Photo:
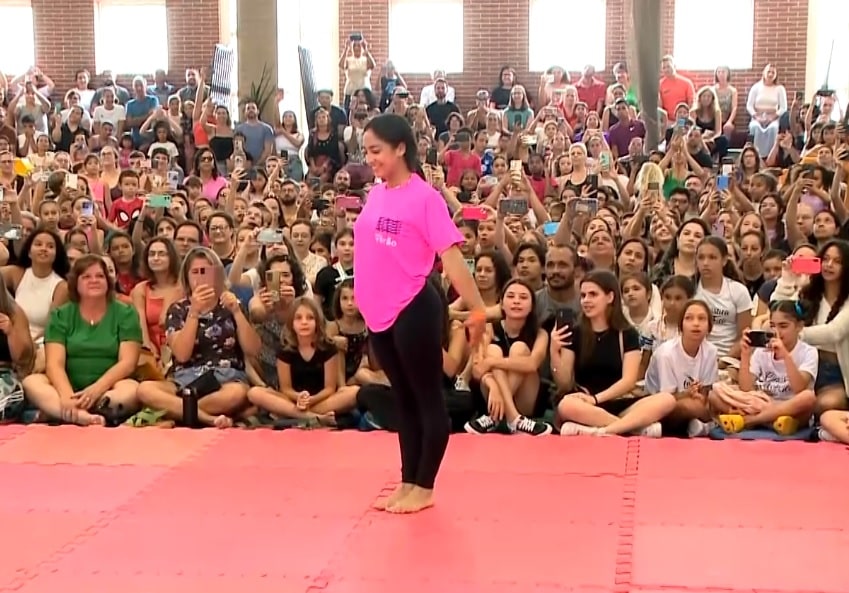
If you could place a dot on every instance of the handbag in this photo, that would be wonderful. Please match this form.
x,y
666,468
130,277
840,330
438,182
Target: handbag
x,y
11,396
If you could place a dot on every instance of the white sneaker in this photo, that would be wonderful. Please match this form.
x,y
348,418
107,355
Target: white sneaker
x,y
571,429
696,428
461,385
826,436
652,431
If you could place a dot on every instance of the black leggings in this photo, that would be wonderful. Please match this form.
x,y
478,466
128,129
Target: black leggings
x,y
410,353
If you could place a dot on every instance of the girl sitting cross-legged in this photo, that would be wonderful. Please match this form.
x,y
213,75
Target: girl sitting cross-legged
x,y
597,365
308,371
776,381
686,366
508,367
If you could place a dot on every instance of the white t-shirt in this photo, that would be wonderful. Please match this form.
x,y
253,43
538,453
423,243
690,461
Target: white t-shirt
x,y
672,370
118,113
770,375
731,300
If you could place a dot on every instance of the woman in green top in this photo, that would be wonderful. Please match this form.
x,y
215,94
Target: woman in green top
x,y
92,346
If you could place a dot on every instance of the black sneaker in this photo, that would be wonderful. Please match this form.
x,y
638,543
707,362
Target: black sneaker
x,y
532,427
481,425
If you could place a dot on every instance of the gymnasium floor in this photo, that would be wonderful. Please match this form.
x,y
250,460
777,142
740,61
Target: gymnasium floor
x,y
144,510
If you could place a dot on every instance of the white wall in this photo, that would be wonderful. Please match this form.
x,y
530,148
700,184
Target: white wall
x,y
828,20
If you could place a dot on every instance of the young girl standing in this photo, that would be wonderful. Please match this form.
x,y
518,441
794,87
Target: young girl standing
x,y
776,382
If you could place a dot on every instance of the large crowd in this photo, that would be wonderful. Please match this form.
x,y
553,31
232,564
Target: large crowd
x,y
154,250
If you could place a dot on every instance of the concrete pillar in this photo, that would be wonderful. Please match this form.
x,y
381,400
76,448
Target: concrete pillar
x,y
256,42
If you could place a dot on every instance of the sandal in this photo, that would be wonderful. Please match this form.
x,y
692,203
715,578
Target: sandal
x,y
149,417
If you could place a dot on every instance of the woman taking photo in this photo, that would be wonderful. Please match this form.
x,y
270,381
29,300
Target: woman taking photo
x,y
597,365
92,347
406,226
208,334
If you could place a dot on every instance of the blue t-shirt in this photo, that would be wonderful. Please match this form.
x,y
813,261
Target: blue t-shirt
x,y
139,108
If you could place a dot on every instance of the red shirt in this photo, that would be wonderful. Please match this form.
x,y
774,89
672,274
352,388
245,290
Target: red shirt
x,y
674,91
456,162
125,211
538,186
592,94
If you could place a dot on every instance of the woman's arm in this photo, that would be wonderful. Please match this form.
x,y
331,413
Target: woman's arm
x,y
563,368
331,380
833,332
630,375
454,357
20,342
249,340
525,364
137,295
54,361
284,378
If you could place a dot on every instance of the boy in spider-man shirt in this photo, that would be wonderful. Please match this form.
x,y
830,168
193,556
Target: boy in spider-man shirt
x,y
128,207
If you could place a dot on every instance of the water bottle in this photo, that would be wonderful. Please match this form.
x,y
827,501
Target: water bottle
x,y
190,408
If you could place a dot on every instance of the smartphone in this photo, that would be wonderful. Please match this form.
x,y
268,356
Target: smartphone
x,y
723,182
806,265
11,232
320,204
348,203
314,183
681,124
654,186
174,179
473,213
87,208
432,157
604,161
727,167
718,230
529,140
564,317
593,181
549,229
159,201
588,206
355,36
513,206
759,338
270,236
71,181
2,193
272,282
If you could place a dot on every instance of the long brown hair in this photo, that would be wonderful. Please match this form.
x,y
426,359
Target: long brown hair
x,y
609,284
290,340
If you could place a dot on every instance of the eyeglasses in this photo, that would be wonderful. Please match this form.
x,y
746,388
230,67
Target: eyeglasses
x,y
218,229
206,159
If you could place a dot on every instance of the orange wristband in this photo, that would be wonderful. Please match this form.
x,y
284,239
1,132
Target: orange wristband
x,y
477,315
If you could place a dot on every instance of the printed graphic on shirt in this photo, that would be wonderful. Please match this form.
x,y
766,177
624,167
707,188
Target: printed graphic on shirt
x,y
387,228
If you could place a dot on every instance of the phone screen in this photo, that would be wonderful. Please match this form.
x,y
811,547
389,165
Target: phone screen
x,y
431,158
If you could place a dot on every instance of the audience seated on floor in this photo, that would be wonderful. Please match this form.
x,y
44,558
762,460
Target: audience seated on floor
x,y
153,248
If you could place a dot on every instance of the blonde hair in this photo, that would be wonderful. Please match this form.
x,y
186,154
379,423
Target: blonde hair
x,y
649,173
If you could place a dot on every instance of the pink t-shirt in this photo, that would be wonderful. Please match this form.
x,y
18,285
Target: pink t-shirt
x,y
456,162
397,237
212,187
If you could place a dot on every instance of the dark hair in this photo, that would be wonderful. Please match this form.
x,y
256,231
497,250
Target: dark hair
x,y
538,249
173,260
499,264
299,280
608,283
337,297
812,294
80,267
196,163
696,303
646,253
678,281
729,270
60,263
395,131
531,328
793,309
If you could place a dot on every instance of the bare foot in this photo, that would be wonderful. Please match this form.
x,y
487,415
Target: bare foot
x,y
401,491
223,422
81,417
418,499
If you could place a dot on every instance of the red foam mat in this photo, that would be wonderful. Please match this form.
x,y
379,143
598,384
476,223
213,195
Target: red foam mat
x,y
140,510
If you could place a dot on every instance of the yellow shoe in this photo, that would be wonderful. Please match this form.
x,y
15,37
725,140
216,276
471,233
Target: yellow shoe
x,y
786,425
732,423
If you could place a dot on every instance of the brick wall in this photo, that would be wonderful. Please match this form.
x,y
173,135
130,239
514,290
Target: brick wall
x,y
780,38
64,37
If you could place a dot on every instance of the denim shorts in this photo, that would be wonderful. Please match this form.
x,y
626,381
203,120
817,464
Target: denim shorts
x,y
828,375
224,375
